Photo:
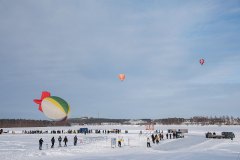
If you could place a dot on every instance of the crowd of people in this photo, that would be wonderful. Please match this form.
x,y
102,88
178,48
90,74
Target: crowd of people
x,y
60,140
52,132
159,136
156,138
97,131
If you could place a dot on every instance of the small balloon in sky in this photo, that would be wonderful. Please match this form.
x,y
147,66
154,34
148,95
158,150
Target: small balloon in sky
x,y
121,77
53,107
202,61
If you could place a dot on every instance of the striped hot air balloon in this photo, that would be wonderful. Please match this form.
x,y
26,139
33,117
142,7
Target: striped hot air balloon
x,y
53,107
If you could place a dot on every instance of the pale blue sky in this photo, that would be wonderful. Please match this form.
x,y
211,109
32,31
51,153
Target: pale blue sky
x,y
76,48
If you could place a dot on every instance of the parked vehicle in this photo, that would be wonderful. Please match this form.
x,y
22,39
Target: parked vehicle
x,y
224,135
183,130
179,135
228,135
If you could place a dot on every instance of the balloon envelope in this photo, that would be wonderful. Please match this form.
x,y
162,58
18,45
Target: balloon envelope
x,y
53,107
201,61
121,77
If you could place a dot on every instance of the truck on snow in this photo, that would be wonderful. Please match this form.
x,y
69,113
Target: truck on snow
x,y
224,135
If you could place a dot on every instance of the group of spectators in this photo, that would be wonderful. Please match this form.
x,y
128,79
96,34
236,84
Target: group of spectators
x,y
34,132
65,140
171,135
159,136
97,131
116,131
156,138
88,131
51,132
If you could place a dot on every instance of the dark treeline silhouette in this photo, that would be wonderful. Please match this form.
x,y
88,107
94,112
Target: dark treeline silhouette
x,y
170,121
99,121
197,120
222,120
201,120
10,123
82,121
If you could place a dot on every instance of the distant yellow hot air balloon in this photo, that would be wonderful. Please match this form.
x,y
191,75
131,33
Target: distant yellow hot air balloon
x,y
121,77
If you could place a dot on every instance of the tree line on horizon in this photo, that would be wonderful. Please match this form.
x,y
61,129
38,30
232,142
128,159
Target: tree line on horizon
x,y
196,120
200,120
11,123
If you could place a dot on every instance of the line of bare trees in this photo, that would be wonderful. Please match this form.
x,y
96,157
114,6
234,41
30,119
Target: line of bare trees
x,y
196,120
222,120
201,120
10,123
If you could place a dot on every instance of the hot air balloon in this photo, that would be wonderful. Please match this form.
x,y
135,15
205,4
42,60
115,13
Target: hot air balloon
x,y
121,77
53,107
201,61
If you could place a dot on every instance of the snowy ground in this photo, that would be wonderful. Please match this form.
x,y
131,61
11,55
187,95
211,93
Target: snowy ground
x,y
98,146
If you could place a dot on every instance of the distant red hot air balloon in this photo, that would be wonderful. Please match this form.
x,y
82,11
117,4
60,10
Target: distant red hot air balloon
x,y
201,61
121,77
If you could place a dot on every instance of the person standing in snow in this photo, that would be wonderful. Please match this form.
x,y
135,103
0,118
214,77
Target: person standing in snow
x,y
75,140
174,135
119,142
53,141
153,138
60,140
40,143
148,143
65,140
157,138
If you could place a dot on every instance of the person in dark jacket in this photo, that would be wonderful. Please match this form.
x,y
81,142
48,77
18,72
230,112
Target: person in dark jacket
x,y
53,141
65,140
174,135
148,143
40,143
75,140
60,140
153,138
120,142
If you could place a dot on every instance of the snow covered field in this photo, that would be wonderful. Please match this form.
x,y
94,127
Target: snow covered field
x,y
98,146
